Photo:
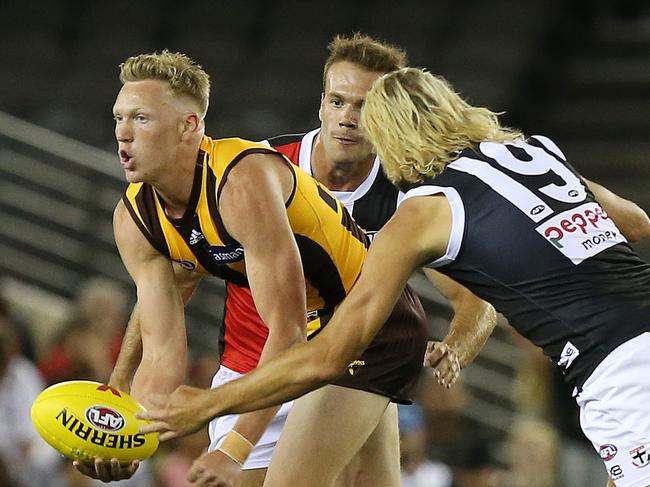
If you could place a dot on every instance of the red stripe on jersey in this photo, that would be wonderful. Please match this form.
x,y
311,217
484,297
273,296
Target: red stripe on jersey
x,y
290,150
245,332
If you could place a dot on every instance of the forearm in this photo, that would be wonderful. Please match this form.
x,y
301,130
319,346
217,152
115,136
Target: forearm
x,y
470,328
129,356
293,374
156,376
164,342
473,321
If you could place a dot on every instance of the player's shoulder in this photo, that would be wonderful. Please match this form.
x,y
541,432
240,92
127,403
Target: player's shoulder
x,y
235,144
284,140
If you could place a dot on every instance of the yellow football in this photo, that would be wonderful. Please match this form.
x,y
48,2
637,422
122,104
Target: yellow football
x,y
85,420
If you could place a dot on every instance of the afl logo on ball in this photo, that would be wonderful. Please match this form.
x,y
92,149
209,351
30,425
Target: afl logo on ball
x,y
105,419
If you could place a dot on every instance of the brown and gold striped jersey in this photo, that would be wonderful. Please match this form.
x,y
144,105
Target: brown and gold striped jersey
x,y
332,247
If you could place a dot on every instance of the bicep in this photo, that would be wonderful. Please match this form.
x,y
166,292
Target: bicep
x,y
631,219
258,220
158,295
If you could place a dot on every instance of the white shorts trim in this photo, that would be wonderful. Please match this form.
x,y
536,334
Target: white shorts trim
x,y
218,428
615,412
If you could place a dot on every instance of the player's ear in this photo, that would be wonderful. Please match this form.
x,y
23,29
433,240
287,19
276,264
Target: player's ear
x,y
192,123
320,108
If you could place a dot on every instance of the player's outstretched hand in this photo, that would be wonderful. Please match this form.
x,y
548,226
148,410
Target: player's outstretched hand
x,y
444,362
178,414
107,471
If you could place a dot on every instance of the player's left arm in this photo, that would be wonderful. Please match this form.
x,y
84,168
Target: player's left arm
x,y
406,242
630,219
252,206
472,324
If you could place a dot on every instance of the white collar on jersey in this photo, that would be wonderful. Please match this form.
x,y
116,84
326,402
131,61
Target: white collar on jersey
x,y
345,197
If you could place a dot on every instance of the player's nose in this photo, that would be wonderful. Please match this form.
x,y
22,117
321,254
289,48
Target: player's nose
x,y
349,118
123,132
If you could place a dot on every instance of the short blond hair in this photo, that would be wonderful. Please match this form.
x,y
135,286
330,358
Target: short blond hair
x,y
367,52
185,77
418,123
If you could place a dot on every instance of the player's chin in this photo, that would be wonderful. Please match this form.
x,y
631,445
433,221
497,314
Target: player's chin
x,y
133,176
349,154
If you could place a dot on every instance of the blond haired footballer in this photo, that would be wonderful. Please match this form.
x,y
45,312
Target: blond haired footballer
x,y
338,155
508,217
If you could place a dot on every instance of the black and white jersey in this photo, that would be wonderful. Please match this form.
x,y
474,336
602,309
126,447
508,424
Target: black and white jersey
x,y
529,237
371,204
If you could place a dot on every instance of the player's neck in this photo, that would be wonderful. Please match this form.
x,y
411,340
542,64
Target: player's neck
x,y
344,176
175,185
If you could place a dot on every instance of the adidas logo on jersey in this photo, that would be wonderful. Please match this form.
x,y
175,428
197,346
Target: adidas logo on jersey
x,y
196,237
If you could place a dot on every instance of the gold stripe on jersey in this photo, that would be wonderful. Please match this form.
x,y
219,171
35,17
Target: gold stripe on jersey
x,y
331,245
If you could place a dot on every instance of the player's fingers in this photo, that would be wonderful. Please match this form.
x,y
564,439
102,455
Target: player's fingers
x,y
449,371
152,414
436,356
101,469
154,427
87,470
194,472
133,468
118,472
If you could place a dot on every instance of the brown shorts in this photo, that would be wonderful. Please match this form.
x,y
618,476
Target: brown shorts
x,y
391,364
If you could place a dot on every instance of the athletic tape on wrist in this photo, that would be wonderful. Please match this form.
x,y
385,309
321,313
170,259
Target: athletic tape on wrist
x,y
236,447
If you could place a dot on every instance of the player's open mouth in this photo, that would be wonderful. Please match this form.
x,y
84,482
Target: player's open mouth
x,y
126,159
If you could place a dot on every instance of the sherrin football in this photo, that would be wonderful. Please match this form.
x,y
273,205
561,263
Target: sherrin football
x,y
85,419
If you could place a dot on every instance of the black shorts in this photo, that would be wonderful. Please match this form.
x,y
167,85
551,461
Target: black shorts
x,y
391,364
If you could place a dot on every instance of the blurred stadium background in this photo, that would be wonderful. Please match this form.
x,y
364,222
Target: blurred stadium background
x,y
576,70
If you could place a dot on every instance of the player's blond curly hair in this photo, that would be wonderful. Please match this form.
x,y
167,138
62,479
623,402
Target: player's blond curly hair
x,y
417,124
185,77
365,51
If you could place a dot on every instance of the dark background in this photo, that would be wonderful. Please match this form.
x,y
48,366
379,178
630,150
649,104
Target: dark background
x,y
577,71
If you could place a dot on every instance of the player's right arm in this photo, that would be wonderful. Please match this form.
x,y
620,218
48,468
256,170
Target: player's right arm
x,y
131,348
160,312
157,324
129,356
630,219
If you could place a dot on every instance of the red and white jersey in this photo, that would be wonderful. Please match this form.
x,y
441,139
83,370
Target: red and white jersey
x,y
244,333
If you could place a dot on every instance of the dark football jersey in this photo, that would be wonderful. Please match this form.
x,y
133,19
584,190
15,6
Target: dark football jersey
x,y
332,247
529,237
